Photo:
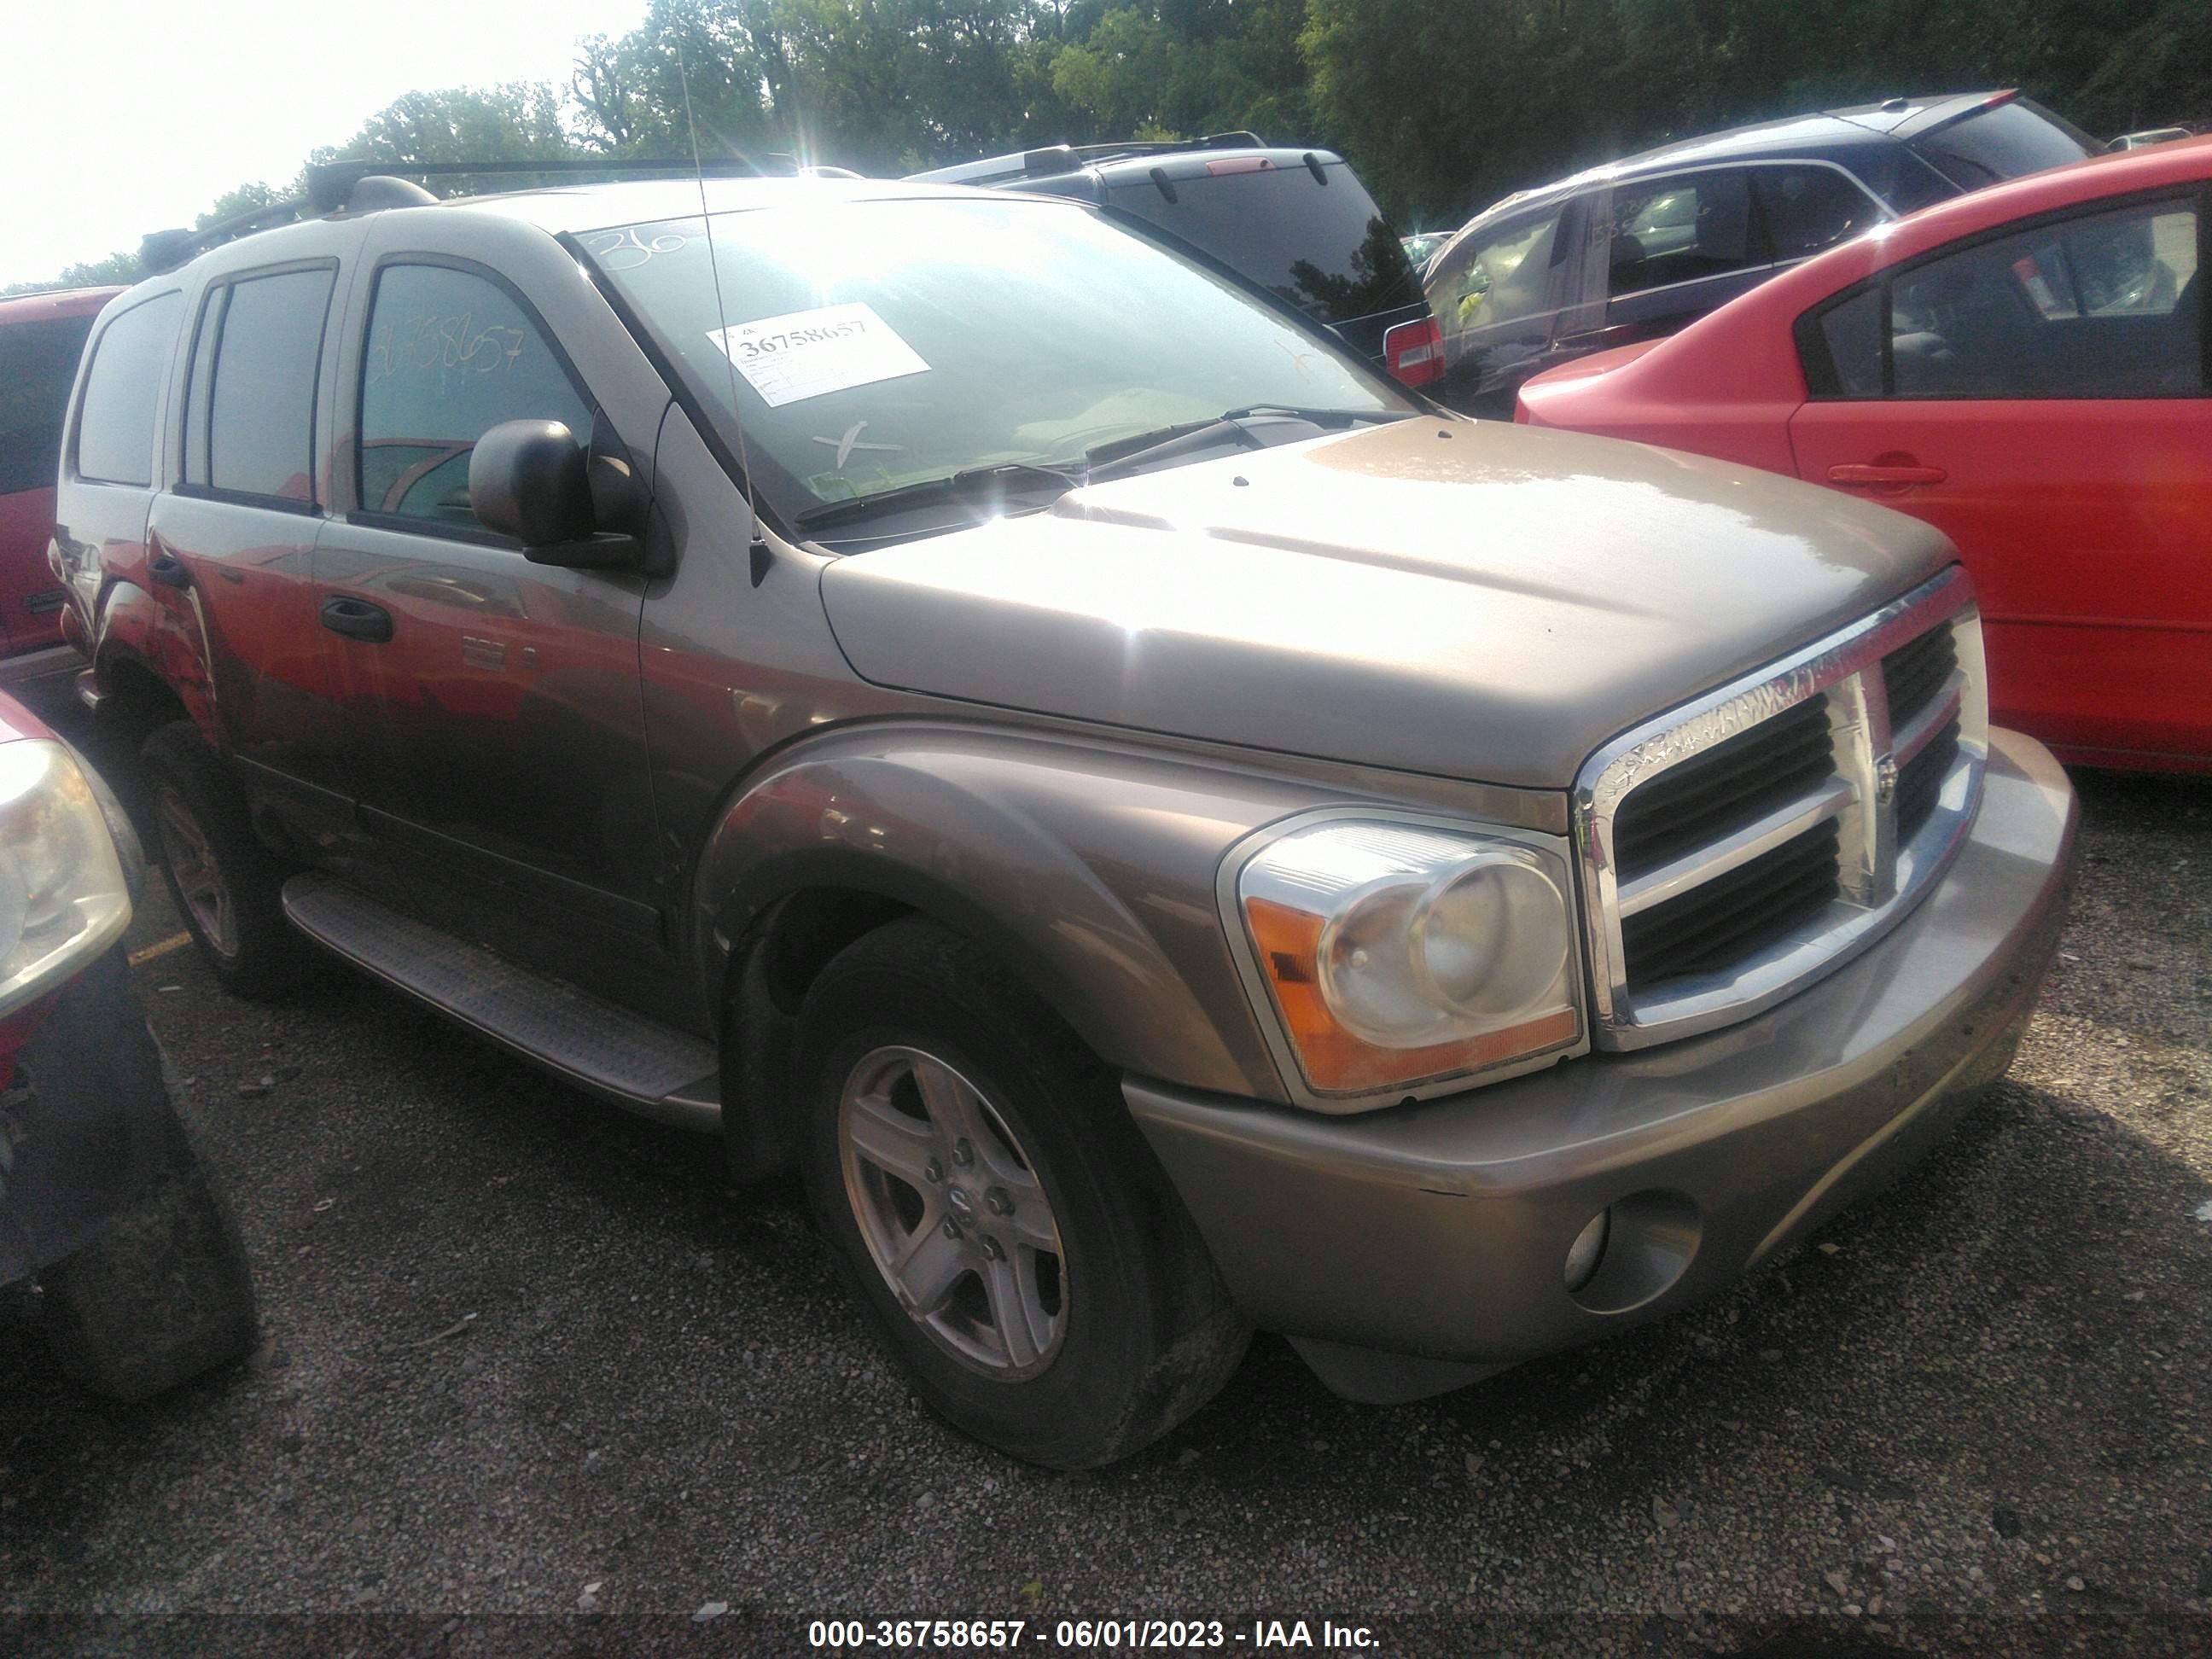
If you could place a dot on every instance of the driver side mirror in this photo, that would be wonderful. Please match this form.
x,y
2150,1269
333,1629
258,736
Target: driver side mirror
x,y
532,480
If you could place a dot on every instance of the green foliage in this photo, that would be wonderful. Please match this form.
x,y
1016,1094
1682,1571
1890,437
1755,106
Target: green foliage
x,y
1443,104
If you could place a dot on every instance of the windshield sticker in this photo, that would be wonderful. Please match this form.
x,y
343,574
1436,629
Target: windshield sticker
x,y
807,353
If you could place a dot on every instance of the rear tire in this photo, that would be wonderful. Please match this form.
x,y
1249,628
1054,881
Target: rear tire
x,y
227,885
163,1295
1072,1316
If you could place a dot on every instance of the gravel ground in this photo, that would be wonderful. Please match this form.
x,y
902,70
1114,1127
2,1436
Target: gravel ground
x,y
526,1359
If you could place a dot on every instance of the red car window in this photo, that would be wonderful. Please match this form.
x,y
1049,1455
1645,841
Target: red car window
x,y
2102,304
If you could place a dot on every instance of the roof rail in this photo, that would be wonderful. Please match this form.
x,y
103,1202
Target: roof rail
x,y
330,183
370,185
1053,158
1065,158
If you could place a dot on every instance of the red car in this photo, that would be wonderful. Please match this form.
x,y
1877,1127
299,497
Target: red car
x,y
41,337
2026,368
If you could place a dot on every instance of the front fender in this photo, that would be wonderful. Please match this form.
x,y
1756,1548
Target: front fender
x,y
1087,866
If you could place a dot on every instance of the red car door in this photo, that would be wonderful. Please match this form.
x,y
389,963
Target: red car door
x,y
2039,397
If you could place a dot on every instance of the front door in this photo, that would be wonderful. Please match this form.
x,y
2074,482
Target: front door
x,y
1500,297
2040,399
493,716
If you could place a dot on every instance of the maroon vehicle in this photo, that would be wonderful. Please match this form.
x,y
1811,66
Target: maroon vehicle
x,y
41,337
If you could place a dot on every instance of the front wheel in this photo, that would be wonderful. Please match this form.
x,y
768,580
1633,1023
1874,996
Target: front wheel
x,y
1015,1245
227,886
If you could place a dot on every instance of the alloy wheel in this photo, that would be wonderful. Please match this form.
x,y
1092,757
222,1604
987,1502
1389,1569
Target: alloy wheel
x,y
955,1217
198,874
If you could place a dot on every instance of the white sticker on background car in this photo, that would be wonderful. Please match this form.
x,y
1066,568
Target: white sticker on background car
x,y
805,354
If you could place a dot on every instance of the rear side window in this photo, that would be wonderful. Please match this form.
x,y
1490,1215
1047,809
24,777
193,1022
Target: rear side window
x,y
1679,229
258,381
451,355
115,427
2102,304
2003,142
1808,208
38,365
1324,247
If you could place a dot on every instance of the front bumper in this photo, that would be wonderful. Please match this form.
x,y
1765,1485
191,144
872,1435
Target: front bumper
x,y
1440,1230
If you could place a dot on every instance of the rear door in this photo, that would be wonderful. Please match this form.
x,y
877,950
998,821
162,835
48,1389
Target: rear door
x,y
2040,397
1680,246
231,542
109,467
493,722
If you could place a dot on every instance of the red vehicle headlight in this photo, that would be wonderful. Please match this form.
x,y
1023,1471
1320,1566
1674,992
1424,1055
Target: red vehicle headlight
x,y
63,894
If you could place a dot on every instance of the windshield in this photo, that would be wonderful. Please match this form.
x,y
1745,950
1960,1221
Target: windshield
x,y
876,344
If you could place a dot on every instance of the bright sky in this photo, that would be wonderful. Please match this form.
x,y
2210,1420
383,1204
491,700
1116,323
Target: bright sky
x,y
121,117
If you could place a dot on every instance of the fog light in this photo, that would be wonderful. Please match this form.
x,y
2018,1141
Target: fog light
x,y
1588,1249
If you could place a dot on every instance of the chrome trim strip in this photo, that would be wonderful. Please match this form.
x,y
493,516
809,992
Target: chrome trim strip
x,y
1762,834
1879,880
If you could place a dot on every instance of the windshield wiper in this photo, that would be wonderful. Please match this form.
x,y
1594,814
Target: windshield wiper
x,y
962,487
1124,455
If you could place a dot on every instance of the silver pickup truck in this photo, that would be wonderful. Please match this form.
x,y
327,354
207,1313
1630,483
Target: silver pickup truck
x,y
1166,830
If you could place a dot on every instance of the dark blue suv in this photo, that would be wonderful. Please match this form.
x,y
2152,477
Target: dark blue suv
x,y
1640,247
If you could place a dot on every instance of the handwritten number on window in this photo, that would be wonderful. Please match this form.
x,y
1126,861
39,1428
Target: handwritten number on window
x,y
451,347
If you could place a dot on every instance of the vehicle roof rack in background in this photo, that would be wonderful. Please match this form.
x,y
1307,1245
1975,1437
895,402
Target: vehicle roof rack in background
x,y
374,187
1065,158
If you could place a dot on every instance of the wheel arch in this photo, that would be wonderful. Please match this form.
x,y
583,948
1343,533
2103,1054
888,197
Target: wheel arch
x,y
1011,841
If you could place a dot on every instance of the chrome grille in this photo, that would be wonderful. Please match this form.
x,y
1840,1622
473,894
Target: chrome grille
x,y
1738,848
1737,780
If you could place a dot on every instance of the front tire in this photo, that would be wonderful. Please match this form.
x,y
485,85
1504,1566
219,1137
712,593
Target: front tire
x,y
1014,1245
164,1294
227,885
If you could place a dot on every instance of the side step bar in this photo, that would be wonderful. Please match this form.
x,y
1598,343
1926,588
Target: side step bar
x,y
648,1068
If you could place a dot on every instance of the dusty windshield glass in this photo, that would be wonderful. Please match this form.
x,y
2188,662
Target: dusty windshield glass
x,y
872,345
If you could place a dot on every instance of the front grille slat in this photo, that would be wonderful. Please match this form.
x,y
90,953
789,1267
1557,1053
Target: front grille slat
x,y
1737,780
1920,780
1752,906
1916,671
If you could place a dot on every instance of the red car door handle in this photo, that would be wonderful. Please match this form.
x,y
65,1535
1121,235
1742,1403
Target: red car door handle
x,y
1861,473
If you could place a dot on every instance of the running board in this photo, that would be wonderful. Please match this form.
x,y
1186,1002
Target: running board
x,y
644,1066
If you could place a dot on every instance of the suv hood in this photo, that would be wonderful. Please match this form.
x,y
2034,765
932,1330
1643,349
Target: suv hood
x,y
1468,599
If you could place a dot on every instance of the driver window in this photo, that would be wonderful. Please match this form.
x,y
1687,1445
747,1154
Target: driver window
x,y
451,355
1503,278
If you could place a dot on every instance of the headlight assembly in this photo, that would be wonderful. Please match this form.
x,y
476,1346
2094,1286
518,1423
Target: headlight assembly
x,y
63,899
1398,954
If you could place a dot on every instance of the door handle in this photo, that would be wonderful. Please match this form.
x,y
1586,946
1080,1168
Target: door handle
x,y
169,570
357,619
1859,473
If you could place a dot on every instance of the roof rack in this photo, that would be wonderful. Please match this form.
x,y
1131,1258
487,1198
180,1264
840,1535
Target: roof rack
x,y
368,186
1054,158
1064,158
